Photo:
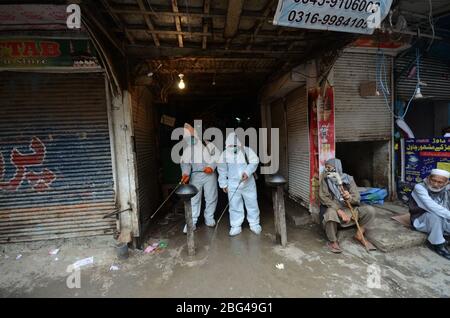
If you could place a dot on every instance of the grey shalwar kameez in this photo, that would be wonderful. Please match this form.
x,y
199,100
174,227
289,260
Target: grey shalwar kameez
x,y
331,203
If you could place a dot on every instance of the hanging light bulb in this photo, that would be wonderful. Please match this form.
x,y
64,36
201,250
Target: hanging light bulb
x,y
418,94
181,84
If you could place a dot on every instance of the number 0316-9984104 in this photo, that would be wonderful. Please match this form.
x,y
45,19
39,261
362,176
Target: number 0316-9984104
x,y
328,19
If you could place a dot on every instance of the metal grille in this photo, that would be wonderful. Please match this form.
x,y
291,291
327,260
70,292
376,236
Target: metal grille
x,y
298,145
55,167
145,136
359,118
433,72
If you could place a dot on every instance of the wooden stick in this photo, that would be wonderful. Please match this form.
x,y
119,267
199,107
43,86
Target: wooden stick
x,y
281,216
355,217
190,227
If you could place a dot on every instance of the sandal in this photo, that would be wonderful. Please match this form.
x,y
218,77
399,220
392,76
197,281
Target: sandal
x,y
333,249
370,246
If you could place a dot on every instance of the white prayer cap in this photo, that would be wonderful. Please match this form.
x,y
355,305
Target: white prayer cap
x,y
440,172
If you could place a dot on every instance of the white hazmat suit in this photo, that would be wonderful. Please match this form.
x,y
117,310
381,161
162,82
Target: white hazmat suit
x,y
231,167
196,157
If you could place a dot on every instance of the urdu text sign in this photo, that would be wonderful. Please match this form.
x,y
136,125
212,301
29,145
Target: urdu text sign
x,y
353,16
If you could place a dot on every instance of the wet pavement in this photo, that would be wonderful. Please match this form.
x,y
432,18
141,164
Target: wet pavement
x,y
242,266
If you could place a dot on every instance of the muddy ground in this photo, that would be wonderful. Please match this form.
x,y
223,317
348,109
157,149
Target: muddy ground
x,y
242,266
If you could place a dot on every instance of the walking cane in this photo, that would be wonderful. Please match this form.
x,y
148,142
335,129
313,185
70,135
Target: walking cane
x,y
349,205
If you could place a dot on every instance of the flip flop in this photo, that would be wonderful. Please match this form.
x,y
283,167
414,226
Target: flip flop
x,y
370,246
333,249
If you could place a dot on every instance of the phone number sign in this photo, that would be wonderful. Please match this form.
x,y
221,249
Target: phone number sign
x,y
354,16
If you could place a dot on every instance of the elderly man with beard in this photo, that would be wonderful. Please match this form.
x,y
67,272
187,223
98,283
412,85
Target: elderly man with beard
x,y
334,212
430,210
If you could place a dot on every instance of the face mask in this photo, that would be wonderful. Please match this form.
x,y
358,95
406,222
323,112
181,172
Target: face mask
x,y
233,149
193,141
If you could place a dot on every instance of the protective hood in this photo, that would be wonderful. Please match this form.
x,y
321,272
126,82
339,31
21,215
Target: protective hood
x,y
189,131
232,140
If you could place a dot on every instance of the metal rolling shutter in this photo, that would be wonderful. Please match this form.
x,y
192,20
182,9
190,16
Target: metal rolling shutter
x,y
279,121
60,182
147,172
298,145
358,118
432,72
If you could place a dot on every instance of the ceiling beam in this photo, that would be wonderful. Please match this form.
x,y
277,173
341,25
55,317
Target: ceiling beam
x,y
269,35
100,24
177,23
117,20
144,51
188,70
233,18
259,24
193,13
169,31
206,7
149,23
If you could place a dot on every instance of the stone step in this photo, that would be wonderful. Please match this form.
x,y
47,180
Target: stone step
x,y
297,215
395,207
389,235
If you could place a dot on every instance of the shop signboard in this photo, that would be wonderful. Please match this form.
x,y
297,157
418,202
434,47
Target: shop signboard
x,y
422,156
32,53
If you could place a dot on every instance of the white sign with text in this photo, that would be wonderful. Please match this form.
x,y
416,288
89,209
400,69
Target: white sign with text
x,y
353,16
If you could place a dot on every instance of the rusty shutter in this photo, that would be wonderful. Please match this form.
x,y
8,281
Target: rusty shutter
x,y
56,177
433,72
298,145
145,142
278,120
359,118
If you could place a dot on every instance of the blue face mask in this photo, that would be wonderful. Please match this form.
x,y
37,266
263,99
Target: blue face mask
x,y
193,141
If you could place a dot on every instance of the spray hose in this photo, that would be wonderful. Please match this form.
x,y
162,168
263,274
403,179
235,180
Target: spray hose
x,y
223,212
170,195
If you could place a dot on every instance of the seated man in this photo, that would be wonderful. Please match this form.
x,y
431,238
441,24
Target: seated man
x,y
446,132
430,210
334,210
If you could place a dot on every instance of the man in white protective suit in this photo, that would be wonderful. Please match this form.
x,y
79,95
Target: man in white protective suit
x,y
236,167
198,164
